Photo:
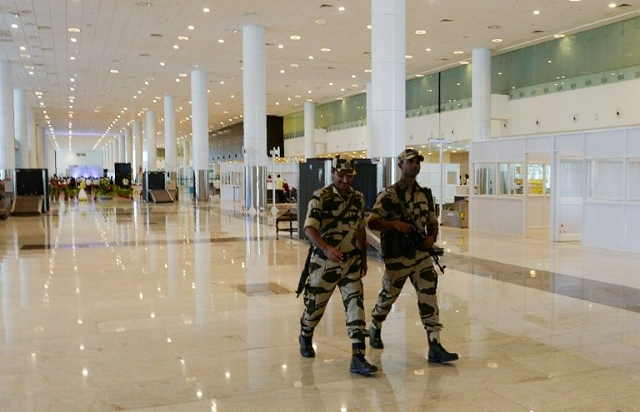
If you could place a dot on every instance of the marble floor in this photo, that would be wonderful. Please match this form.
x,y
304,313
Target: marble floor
x,y
132,307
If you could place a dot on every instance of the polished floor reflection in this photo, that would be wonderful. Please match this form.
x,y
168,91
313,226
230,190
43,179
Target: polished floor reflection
x,y
136,307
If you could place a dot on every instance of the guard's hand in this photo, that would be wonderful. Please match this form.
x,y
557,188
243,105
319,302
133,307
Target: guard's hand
x,y
403,227
428,242
333,254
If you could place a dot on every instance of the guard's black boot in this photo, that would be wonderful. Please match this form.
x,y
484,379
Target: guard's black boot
x,y
438,354
375,341
360,366
306,347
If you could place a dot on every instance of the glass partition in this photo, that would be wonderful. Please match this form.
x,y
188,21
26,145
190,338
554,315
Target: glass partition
x,y
484,178
511,179
633,171
605,179
538,175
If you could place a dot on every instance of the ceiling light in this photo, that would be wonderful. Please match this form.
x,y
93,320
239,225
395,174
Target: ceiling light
x,y
325,49
420,32
183,75
464,62
330,83
310,57
72,89
611,5
458,52
294,37
183,38
408,56
206,10
367,70
536,12
558,36
321,21
497,40
176,47
294,65
280,46
23,48
282,71
25,56
72,80
72,58
74,30
162,63
73,40
428,49
113,71
419,75
341,8
31,73
220,41
191,28
369,26
14,26
28,67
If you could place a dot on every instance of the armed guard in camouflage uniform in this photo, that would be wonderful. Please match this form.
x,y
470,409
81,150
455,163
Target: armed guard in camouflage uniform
x,y
335,226
402,212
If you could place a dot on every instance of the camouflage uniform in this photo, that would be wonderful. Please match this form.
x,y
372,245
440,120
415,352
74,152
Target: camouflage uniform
x,y
325,206
397,269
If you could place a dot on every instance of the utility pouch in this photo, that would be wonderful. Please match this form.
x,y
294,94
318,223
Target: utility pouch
x,y
395,244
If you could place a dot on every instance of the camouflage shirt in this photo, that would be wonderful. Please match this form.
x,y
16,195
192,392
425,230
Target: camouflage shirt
x,y
325,206
387,206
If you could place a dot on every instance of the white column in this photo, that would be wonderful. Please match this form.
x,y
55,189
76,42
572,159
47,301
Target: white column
x,y
137,144
200,132
369,142
128,144
121,146
150,134
41,149
20,125
388,77
309,130
481,93
185,158
31,137
7,154
254,90
170,147
115,154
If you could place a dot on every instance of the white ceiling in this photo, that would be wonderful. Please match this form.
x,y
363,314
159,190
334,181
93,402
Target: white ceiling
x,y
122,35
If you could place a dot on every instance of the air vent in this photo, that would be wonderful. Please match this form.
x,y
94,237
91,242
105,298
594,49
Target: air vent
x,y
269,44
367,52
156,35
331,68
326,5
446,21
44,28
537,31
623,5
444,60
144,55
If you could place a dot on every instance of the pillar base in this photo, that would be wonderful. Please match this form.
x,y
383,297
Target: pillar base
x,y
200,186
8,176
390,171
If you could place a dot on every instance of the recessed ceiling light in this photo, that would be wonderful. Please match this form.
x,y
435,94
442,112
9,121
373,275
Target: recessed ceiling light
x,y
220,41
282,71
367,70
29,68
73,40
183,75
191,28
420,32
497,40
31,73
294,37
74,30
72,58
14,26
113,71
408,56
162,63
464,62
281,46
175,46
536,12
419,75
206,10
294,65
183,38
330,84
321,21
428,49
458,52
611,5
369,26
341,8
558,36
310,57
325,49
23,48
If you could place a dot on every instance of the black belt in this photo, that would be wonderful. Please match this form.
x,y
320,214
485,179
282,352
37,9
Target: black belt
x,y
345,255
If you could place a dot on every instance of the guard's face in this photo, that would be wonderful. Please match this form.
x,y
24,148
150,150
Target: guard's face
x,y
342,180
410,167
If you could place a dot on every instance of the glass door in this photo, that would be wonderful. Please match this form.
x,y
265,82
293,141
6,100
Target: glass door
x,y
569,197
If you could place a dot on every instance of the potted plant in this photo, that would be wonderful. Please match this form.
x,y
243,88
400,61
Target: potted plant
x,y
106,191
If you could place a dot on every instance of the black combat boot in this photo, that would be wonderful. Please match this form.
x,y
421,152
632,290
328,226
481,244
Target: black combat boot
x,y
437,353
306,347
375,341
359,364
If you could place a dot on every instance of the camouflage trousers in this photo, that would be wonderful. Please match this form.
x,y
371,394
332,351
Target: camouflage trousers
x,y
324,276
423,278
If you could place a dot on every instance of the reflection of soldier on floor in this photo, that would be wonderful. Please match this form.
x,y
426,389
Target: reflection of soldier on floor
x,y
335,226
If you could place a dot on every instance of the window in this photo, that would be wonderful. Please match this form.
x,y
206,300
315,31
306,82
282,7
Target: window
x,y
605,179
484,179
511,179
538,177
633,171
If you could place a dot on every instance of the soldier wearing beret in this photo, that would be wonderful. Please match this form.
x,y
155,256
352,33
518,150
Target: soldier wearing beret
x,y
405,215
335,226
